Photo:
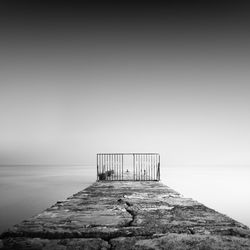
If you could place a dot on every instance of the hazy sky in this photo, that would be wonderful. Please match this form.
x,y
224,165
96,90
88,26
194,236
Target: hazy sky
x,y
78,79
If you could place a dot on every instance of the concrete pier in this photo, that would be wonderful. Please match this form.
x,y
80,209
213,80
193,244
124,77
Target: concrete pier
x,y
127,215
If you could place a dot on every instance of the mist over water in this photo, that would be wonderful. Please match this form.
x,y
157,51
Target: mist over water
x,y
225,188
28,190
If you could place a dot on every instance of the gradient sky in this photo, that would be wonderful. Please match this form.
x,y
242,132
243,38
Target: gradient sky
x,y
79,79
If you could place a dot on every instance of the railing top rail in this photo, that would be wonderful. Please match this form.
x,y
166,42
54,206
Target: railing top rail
x,y
128,154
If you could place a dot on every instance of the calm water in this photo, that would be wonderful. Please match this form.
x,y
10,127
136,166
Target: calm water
x,y
27,190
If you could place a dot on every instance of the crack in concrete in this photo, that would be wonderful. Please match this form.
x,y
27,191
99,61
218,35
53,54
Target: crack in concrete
x,y
129,208
133,214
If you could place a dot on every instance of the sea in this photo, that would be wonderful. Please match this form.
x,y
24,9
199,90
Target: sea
x,y
26,190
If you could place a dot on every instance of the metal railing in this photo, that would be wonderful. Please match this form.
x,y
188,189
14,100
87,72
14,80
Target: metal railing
x,y
142,167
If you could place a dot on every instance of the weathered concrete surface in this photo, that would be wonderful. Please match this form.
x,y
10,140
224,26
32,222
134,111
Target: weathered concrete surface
x,y
127,215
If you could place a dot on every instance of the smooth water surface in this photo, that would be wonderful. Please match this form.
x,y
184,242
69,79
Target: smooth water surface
x,y
223,188
28,190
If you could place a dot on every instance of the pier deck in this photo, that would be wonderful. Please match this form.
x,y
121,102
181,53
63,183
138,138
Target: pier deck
x,y
127,215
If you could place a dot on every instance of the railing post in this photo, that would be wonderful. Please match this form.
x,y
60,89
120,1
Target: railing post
x,y
133,167
159,173
97,167
122,166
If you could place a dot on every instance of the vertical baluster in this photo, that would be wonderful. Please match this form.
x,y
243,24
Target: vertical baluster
x,y
119,166
159,168
138,170
153,166
103,162
121,170
114,171
122,166
112,165
97,166
107,163
150,167
156,159
133,167
113,168
115,156
137,167
140,166
145,167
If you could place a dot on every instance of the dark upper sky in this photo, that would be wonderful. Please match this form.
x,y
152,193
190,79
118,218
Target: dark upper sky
x,y
78,78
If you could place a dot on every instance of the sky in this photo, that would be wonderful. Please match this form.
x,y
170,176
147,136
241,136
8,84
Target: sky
x,y
80,78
